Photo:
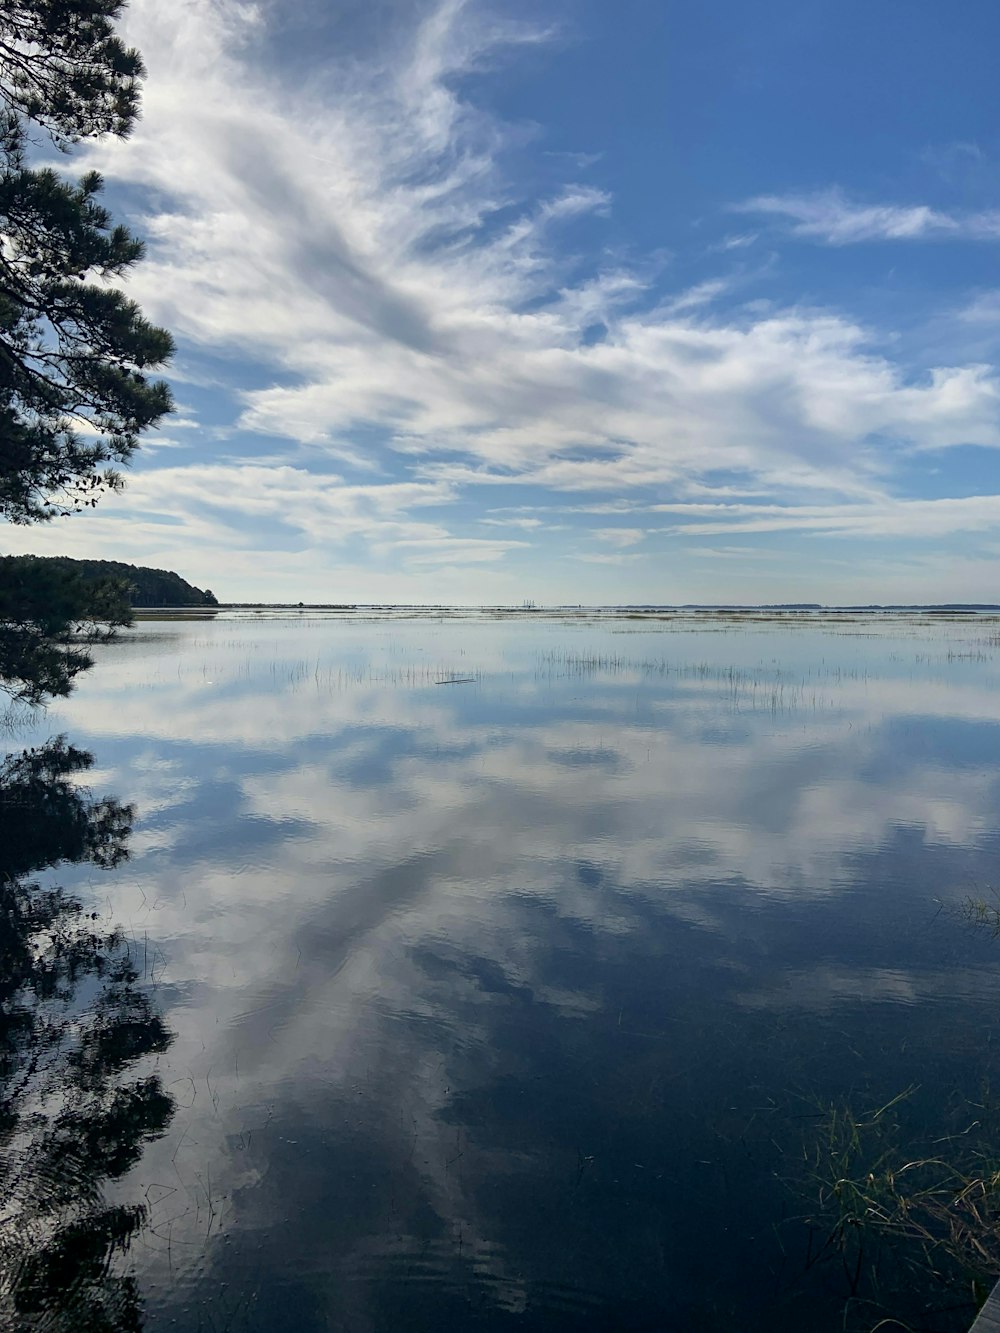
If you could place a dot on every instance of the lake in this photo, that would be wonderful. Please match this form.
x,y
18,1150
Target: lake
x,y
509,969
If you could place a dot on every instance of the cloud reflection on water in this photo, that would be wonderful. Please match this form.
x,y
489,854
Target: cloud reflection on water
x,y
468,981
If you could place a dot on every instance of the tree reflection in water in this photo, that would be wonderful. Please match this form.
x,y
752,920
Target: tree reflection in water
x,y
75,1023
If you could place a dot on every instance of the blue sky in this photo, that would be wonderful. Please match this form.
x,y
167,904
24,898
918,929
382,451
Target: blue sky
x,y
571,301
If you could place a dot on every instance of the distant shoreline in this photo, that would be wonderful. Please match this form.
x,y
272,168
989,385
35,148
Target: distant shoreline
x,y
636,609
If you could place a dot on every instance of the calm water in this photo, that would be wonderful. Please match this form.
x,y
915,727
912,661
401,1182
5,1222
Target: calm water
x,y
505,969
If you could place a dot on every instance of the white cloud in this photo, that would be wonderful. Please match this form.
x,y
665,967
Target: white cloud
x,y
830,216
353,233
525,524
623,537
620,558
886,518
738,241
344,231
982,309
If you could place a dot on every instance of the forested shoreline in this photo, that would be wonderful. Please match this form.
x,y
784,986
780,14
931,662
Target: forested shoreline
x,y
147,587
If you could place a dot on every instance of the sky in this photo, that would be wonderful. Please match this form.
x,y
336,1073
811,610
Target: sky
x,y
566,302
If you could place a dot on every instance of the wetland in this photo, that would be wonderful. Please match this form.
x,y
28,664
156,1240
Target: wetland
x,y
501,971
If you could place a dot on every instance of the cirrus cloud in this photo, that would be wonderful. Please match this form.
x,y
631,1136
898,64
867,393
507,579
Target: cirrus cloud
x,y
352,240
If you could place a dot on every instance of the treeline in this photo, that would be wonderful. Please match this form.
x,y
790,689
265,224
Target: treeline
x,y
146,587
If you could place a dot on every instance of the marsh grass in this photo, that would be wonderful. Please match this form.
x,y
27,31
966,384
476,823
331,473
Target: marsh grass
x,y
913,1224
766,687
983,913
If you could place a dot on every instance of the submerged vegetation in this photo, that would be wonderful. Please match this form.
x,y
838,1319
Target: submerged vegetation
x,y
910,1215
911,1219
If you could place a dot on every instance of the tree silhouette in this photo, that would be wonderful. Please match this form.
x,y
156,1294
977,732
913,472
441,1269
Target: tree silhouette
x,y
77,356
49,618
75,352
75,1021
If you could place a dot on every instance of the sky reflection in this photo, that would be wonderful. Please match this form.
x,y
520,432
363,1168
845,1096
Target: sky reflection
x,y
496,1003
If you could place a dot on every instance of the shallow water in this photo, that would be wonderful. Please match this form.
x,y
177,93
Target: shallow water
x,y
509,963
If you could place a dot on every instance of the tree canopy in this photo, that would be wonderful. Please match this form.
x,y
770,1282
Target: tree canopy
x,y
63,66
145,586
76,355
49,617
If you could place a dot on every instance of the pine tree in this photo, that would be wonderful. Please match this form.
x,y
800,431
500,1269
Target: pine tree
x,y
75,353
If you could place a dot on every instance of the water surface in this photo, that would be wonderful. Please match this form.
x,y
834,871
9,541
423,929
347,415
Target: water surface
x,y
508,961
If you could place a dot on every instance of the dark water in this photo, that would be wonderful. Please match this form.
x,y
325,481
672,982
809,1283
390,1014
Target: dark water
x,y
494,975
